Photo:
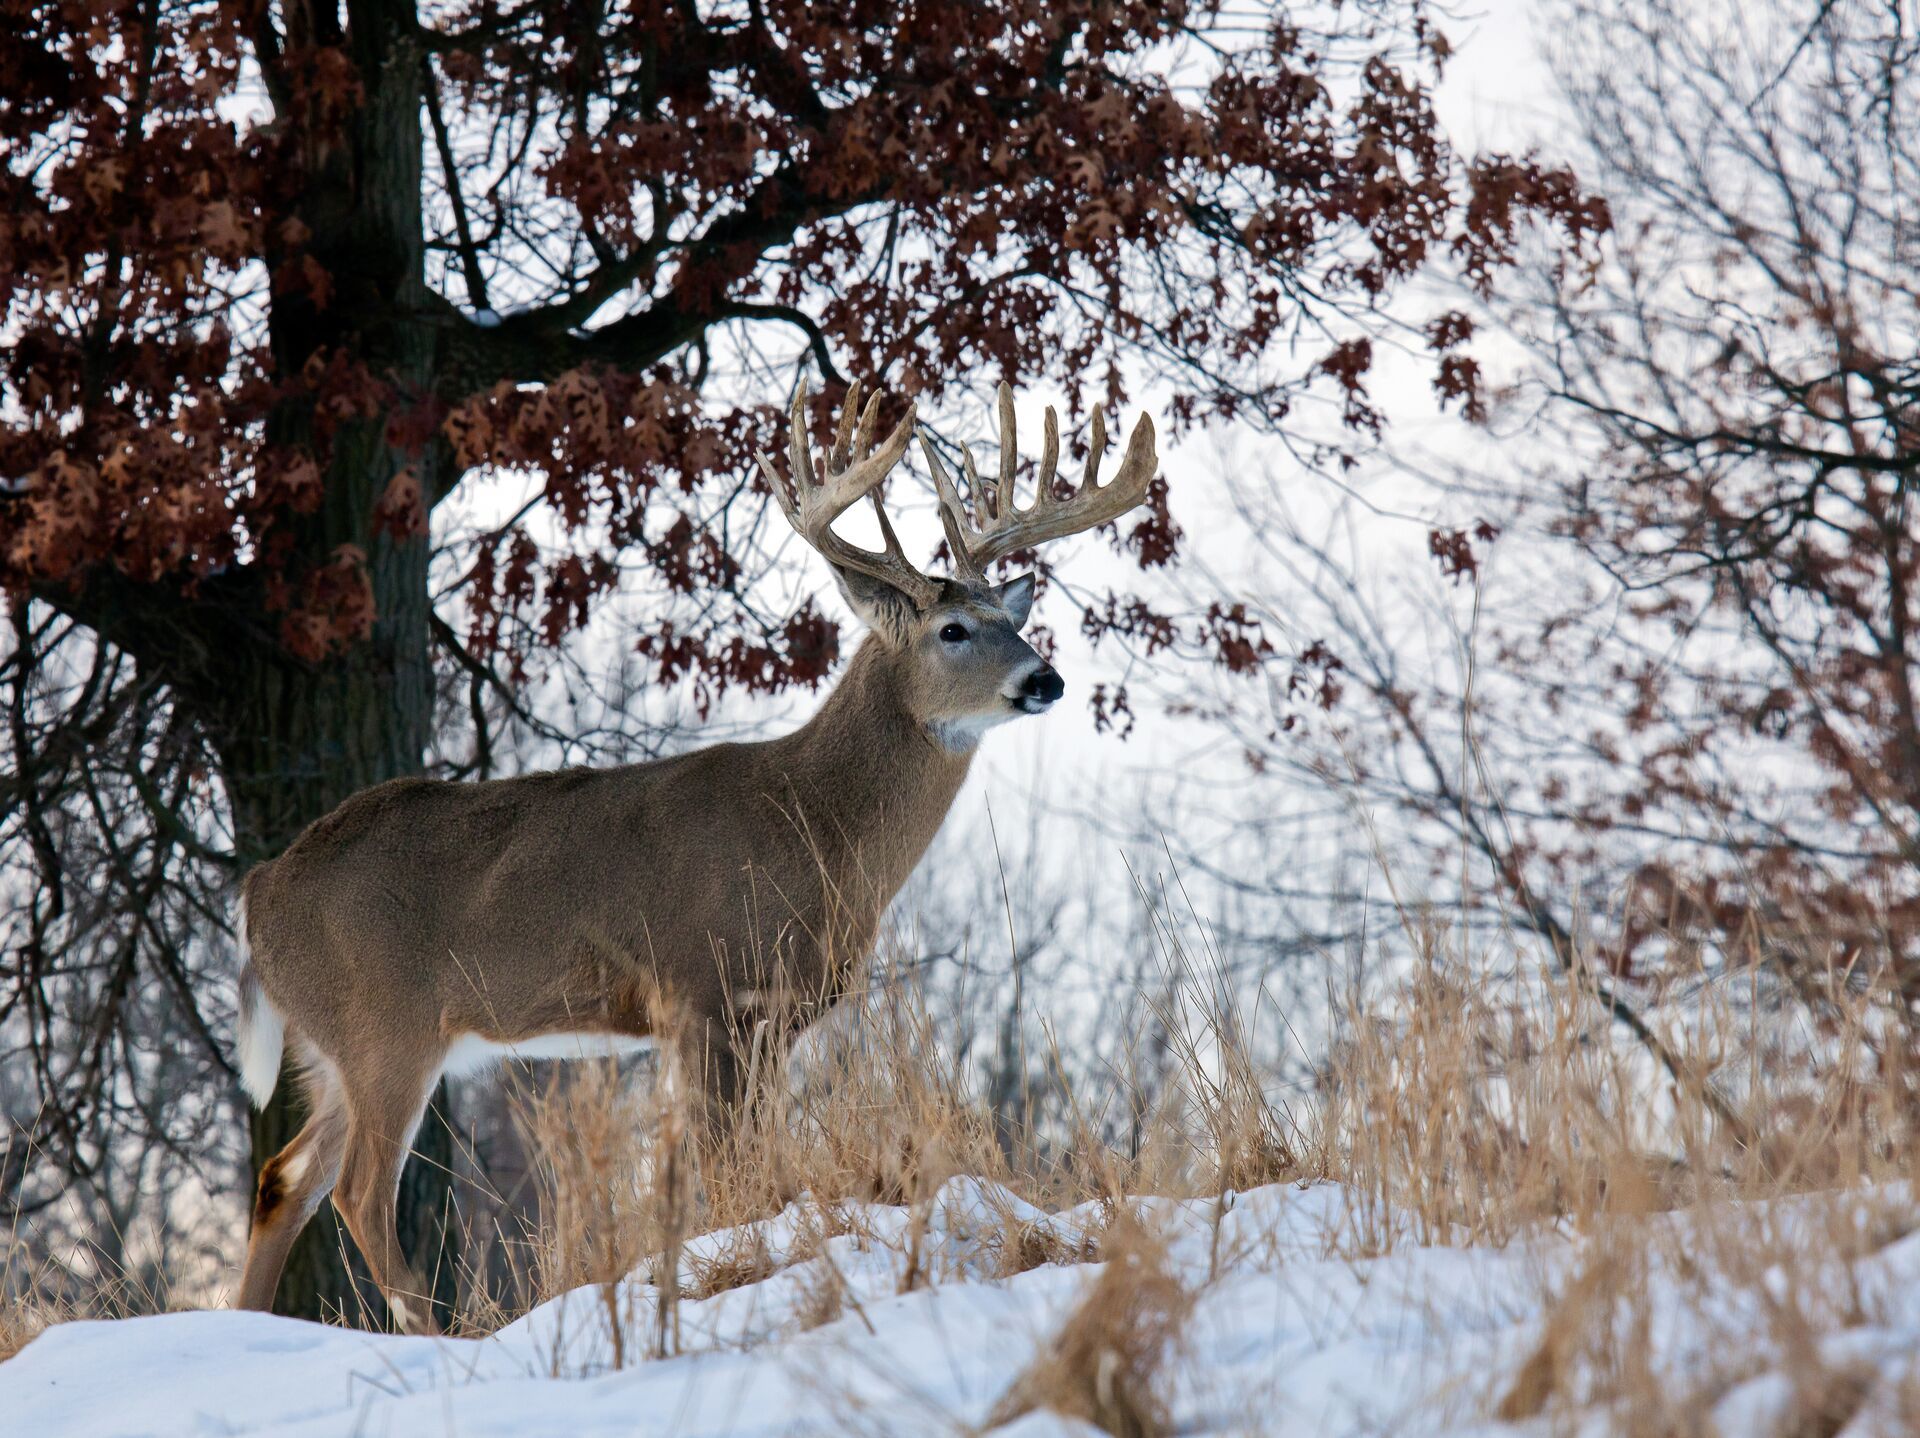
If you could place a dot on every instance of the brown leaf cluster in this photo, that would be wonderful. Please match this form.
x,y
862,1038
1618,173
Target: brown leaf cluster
x,y
210,321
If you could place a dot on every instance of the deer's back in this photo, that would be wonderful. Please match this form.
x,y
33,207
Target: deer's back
x,y
535,895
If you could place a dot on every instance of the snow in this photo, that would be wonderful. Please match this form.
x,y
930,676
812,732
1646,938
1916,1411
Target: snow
x,y
1314,1312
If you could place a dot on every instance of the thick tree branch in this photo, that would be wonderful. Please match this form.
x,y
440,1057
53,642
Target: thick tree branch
x,y
539,345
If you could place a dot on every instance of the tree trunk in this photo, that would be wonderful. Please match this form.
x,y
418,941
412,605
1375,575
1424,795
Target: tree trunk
x,y
297,739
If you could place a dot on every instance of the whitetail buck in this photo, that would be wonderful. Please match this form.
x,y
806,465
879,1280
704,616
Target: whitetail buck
x,y
426,927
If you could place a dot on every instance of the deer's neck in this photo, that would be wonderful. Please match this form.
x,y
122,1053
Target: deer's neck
x,y
866,774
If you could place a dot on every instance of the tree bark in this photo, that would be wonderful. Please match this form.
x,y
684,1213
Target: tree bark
x,y
297,739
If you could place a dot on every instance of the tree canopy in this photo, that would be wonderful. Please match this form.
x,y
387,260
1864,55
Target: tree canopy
x,y
507,236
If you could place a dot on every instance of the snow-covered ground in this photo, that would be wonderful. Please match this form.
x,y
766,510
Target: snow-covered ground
x,y
1290,1332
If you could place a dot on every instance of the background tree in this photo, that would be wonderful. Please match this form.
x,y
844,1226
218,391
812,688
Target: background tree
x,y
284,277
1676,726
1745,386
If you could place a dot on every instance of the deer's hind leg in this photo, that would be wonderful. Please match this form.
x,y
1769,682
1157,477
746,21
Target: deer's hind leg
x,y
382,1119
293,1184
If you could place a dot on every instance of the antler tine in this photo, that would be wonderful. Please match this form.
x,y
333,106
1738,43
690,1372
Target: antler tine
x,y
953,516
887,536
842,450
999,527
1009,453
786,489
977,490
869,418
853,471
1050,455
799,447
1096,451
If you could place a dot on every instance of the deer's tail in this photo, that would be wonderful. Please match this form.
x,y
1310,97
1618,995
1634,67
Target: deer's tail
x,y
263,1028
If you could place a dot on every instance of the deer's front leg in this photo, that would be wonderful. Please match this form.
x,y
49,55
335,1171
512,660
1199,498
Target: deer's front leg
x,y
714,1073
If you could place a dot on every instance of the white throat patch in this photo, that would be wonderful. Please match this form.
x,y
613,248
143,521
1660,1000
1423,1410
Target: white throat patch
x,y
963,735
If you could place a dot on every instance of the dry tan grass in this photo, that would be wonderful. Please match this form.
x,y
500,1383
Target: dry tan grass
x,y
1453,1110
588,1133
743,1262
1460,1115
36,1292
1596,1347
35,1298
1025,1246
22,1321
1104,1363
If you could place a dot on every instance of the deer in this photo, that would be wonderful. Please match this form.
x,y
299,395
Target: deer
x,y
430,927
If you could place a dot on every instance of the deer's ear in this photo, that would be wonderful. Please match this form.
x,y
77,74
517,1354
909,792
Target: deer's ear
x,y
1016,597
879,606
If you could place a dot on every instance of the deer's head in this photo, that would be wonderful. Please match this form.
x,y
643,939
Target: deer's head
x,y
955,642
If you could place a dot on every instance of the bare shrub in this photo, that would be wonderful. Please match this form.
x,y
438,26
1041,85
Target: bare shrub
x,y
1025,1246
588,1133
742,1263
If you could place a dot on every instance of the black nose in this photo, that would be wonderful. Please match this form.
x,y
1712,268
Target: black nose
x,y
1044,684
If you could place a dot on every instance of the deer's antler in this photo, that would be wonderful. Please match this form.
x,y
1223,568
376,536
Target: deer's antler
x,y
854,468
997,528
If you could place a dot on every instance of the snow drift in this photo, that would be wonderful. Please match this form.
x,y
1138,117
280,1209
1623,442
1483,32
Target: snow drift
x,y
1290,1327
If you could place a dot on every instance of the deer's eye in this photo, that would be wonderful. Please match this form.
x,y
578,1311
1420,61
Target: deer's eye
x,y
953,633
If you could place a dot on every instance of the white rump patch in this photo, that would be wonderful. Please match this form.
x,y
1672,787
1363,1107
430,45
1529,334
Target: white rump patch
x,y
472,1053
261,1035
